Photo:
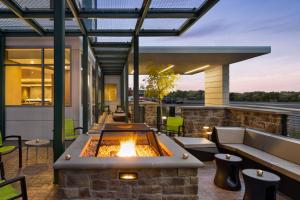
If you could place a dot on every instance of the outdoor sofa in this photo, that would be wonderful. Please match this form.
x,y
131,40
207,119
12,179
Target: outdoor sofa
x,y
278,154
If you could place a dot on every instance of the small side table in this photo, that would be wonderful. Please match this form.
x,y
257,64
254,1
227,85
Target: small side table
x,y
37,143
260,187
227,174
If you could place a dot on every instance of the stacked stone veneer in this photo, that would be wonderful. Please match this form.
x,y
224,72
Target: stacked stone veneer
x,y
152,184
196,118
150,112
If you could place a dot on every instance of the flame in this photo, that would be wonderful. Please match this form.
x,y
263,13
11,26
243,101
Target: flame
x,y
127,148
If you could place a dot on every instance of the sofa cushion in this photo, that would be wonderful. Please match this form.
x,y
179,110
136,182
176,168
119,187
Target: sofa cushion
x,y
255,138
279,146
230,135
280,165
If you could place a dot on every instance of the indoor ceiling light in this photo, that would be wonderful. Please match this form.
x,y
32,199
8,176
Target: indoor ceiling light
x,y
197,69
170,67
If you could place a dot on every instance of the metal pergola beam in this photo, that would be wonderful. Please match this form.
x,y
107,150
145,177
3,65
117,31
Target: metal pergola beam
x,y
103,13
72,6
111,44
142,15
17,10
204,8
117,52
104,33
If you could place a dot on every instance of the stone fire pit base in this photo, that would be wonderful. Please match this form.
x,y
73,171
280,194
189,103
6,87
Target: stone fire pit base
x,y
152,184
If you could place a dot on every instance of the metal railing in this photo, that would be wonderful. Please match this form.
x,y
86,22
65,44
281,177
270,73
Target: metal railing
x,y
293,125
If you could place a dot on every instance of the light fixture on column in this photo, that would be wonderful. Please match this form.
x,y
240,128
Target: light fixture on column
x,y
197,69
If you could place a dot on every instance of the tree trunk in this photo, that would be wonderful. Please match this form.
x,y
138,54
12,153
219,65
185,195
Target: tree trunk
x,y
161,111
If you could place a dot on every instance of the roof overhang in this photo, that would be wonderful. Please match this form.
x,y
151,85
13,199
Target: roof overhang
x,y
188,58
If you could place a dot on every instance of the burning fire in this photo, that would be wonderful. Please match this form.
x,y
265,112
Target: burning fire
x,y
127,148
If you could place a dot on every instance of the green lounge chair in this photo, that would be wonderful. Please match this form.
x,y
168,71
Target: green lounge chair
x,y
5,149
174,125
70,130
7,191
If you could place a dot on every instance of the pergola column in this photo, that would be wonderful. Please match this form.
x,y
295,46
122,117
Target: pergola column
x,y
217,86
59,78
125,72
136,78
2,85
122,87
102,91
96,93
85,87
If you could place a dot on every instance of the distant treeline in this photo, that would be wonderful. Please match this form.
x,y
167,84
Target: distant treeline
x,y
258,96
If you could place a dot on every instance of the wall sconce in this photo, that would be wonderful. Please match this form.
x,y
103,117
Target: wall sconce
x,y
164,117
207,131
128,176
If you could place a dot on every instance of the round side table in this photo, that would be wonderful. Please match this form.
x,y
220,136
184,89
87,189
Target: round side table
x,y
227,174
260,185
37,143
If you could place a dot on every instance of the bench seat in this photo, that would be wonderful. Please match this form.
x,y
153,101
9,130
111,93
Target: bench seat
x,y
285,167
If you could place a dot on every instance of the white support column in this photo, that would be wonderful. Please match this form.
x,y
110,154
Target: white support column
x,y
217,86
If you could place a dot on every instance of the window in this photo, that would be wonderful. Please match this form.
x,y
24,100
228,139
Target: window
x,y
29,78
110,92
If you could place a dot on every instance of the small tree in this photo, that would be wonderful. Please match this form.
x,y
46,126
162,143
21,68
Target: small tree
x,y
160,84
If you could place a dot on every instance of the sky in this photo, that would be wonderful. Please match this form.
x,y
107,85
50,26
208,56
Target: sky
x,y
274,23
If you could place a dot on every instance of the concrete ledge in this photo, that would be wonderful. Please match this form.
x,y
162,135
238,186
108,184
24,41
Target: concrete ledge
x,y
173,161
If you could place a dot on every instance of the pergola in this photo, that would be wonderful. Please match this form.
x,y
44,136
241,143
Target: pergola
x,y
111,28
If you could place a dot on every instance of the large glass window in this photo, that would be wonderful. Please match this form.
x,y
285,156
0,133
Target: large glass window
x,y
29,77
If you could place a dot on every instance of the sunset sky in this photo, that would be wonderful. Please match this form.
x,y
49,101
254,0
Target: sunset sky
x,y
274,23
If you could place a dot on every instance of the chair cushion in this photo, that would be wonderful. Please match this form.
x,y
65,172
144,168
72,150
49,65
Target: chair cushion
x,y
7,192
173,123
279,146
7,149
285,167
230,135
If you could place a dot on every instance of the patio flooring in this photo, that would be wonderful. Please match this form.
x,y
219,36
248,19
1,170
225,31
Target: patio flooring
x,y
39,178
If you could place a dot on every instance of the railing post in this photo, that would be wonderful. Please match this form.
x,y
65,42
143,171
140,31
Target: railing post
x,y
284,121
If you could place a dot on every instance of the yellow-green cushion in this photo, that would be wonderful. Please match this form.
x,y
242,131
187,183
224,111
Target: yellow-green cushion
x,y
6,149
7,192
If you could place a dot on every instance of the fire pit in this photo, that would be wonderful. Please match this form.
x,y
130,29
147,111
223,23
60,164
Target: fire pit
x,y
127,161
117,141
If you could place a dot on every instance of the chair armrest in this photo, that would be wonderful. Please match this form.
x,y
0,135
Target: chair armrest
x,y
19,140
13,136
22,181
78,128
12,180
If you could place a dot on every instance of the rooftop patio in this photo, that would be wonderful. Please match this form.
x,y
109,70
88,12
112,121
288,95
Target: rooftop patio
x,y
108,36
39,177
